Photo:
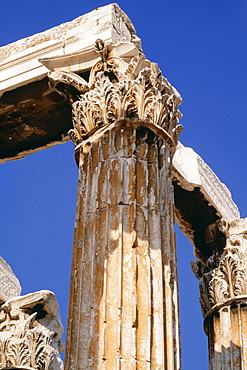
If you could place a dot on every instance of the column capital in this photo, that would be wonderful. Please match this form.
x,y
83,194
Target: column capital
x,y
118,87
30,332
223,278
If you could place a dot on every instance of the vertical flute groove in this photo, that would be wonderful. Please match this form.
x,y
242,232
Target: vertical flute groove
x,y
125,296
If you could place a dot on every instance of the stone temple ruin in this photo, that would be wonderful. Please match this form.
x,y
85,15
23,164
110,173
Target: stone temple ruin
x,y
88,80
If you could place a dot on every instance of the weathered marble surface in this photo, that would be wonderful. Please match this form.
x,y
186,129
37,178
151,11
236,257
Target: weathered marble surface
x,y
9,284
123,310
223,297
201,200
19,63
135,249
192,172
124,259
32,117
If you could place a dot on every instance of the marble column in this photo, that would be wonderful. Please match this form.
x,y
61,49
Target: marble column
x,y
223,288
123,309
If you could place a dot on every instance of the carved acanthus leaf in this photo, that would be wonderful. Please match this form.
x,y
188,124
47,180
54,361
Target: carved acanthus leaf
x,y
218,288
229,279
204,294
116,89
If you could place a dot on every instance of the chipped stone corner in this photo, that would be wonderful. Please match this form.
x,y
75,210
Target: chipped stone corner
x,y
190,171
9,284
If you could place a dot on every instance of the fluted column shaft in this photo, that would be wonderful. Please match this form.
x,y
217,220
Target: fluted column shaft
x,y
123,303
123,309
227,335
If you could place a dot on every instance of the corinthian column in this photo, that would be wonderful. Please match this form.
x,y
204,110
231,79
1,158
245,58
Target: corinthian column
x,y
223,287
123,309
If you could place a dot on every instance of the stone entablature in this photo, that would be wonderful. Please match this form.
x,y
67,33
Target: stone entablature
x,y
32,117
19,63
192,172
201,199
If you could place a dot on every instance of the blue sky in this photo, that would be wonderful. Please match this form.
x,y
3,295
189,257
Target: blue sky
x,y
200,47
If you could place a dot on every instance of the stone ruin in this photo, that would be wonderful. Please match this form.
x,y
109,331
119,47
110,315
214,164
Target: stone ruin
x,y
88,80
30,326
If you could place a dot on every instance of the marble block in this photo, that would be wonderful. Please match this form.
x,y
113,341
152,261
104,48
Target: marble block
x,y
9,284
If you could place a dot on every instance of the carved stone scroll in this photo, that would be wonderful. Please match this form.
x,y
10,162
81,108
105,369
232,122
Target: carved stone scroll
x,y
30,333
223,296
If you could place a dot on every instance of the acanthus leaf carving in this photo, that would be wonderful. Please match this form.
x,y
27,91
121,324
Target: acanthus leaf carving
x,y
203,289
25,340
218,288
227,278
117,89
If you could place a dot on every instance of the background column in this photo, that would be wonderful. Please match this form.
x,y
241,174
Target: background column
x,y
223,288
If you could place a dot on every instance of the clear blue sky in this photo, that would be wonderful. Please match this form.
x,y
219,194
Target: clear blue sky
x,y
200,47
